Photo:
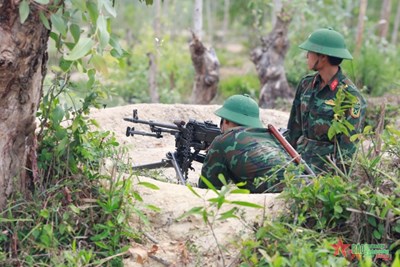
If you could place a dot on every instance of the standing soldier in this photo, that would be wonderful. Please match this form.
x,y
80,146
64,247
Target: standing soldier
x,y
245,151
313,110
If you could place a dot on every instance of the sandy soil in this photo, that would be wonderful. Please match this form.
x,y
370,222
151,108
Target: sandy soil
x,y
189,241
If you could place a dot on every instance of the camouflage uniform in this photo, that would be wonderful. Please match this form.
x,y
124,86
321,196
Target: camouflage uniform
x,y
312,114
243,154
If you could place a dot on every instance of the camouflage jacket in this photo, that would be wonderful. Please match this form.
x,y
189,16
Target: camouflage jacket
x,y
243,155
311,117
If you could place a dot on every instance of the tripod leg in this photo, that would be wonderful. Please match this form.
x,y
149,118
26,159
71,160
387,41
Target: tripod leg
x,y
177,167
164,163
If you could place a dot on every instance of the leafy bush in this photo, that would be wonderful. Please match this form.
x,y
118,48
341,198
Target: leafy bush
x,y
76,216
361,207
246,84
375,68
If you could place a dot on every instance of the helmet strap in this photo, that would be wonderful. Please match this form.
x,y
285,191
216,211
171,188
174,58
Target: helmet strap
x,y
314,68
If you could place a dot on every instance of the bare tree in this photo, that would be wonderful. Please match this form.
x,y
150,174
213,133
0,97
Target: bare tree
x,y
360,26
277,6
154,97
205,62
210,26
384,18
206,65
396,25
198,19
269,61
226,18
23,59
153,67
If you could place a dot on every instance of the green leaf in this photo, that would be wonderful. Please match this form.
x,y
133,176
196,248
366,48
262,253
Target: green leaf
x,y
377,234
75,31
137,196
44,20
83,46
74,208
332,131
228,214
93,11
65,65
121,218
42,2
240,191
99,64
57,115
247,204
102,245
222,179
142,216
100,236
205,215
81,5
322,197
58,24
381,228
117,47
397,228
110,9
195,210
104,35
208,184
338,209
153,208
23,11
45,213
149,185
354,137
372,221
192,190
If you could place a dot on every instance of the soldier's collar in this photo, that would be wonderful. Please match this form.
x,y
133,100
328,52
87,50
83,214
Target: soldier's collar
x,y
333,83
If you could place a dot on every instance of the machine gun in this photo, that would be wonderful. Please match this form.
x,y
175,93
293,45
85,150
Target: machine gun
x,y
190,138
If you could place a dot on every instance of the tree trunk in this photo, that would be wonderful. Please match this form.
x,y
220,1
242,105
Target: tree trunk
x,y
198,19
384,21
396,25
226,19
276,8
23,58
154,97
157,19
206,65
210,26
269,61
360,26
153,67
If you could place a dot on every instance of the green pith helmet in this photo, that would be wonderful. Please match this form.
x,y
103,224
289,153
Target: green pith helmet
x,y
241,109
327,42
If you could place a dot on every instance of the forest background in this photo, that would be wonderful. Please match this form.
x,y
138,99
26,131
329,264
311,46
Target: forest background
x,y
234,29
72,214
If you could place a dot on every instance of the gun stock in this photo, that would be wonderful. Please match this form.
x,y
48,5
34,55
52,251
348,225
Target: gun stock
x,y
289,149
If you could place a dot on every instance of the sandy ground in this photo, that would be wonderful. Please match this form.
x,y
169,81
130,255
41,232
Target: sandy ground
x,y
189,241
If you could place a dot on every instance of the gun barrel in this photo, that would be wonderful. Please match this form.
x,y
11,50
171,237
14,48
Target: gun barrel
x,y
152,123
